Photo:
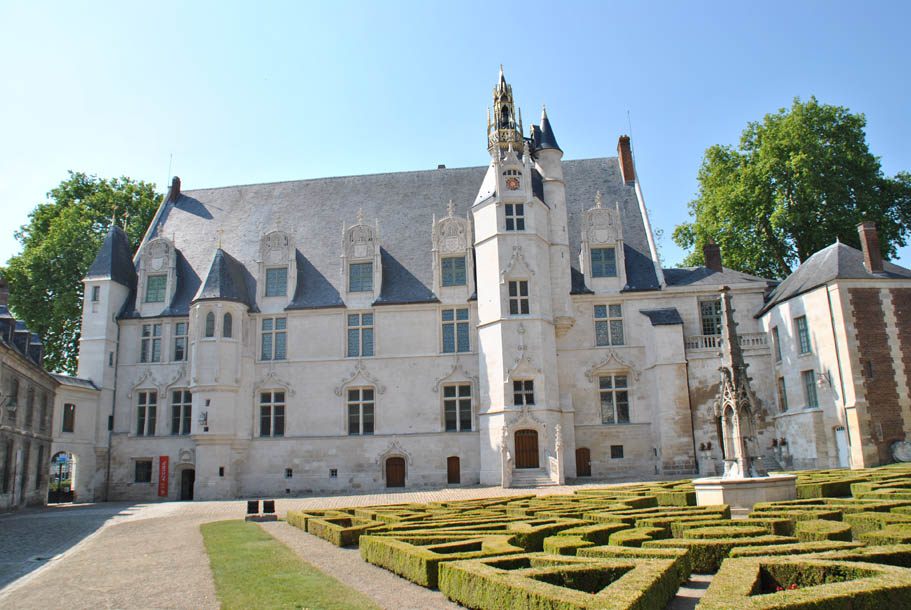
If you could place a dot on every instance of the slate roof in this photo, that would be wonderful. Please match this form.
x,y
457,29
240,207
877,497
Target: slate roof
x,y
665,316
835,262
114,260
313,212
703,276
76,382
226,281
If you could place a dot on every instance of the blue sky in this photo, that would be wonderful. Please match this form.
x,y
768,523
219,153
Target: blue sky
x,y
236,93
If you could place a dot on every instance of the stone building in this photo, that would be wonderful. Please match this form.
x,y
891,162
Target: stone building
x,y
508,324
26,405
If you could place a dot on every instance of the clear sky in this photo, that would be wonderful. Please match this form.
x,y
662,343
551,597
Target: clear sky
x,y
235,93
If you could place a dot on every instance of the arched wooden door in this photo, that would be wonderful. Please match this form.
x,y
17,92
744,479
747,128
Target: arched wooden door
x,y
583,462
395,472
526,449
452,470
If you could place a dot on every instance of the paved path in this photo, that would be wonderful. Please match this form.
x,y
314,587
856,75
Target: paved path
x,y
150,556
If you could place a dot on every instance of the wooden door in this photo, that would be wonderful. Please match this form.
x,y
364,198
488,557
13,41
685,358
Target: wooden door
x,y
187,480
452,470
583,462
526,449
395,472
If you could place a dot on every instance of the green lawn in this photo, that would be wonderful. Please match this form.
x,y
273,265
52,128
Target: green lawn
x,y
254,570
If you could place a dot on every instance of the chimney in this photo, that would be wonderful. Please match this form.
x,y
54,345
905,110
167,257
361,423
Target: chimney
x,y
4,292
625,156
869,243
174,193
711,252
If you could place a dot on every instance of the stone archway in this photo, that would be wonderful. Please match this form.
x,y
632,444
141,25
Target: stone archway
x,y
62,478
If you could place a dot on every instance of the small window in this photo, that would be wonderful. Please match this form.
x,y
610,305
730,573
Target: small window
x,y
143,471
96,294
515,216
782,395
181,412
360,411
180,341
453,271
523,392
333,473
803,334
604,262
289,473
221,471
69,417
146,413
518,298
455,330
614,393
155,288
609,325
360,277
210,324
273,339
616,452
277,282
809,384
776,344
710,309
457,407
271,413
226,328
150,346
360,334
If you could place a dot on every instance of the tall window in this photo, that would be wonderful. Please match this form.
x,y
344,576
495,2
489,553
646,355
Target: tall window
x,y
145,413
614,390
39,467
96,294
360,277
782,395
69,417
457,407
271,413
155,287
13,400
803,334
518,297
515,216
523,392
776,344
360,334
42,414
181,412
210,324
360,411
180,341
273,339
7,465
710,309
142,471
608,325
29,407
455,330
277,282
604,262
150,347
453,271
226,327
809,386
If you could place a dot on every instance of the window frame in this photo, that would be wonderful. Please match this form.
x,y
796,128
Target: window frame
x,y
776,344
146,413
609,322
515,298
136,471
181,412
272,410
600,268
68,417
612,390
809,388
456,326
364,277
514,215
360,401
227,326
456,402
272,287
714,318
96,294
362,331
782,395
523,392
450,275
273,333
209,330
162,290
181,340
150,342
802,331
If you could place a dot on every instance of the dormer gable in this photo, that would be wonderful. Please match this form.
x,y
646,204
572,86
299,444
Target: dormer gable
x,y
361,268
602,257
277,271
157,276
452,256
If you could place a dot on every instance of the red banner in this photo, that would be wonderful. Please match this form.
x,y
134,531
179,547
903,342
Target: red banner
x,y
163,476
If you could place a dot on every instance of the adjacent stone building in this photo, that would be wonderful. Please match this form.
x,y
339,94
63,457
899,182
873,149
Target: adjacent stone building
x,y
26,410
508,324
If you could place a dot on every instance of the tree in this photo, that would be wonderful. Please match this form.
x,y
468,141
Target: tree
x,y
800,179
59,244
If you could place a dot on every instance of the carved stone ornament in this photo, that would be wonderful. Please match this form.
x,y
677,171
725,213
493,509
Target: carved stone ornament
x,y
271,380
394,449
146,381
516,266
611,362
360,370
186,456
361,242
523,361
157,254
275,247
457,366
602,225
452,236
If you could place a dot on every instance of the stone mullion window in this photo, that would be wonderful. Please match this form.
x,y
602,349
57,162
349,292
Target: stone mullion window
x,y
609,325
518,298
146,412
809,384
180,341
273,340
360,277
604,262
614,394
181,412
360,411
360,335
523,392
272,414
457,407
710,310
515,216
155,288
453,271
803,334
277,282
455,330
782,395
150,346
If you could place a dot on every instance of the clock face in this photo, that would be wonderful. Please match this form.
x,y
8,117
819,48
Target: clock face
x,y
512,184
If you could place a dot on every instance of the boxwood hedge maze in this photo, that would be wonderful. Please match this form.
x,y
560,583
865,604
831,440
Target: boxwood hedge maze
x,y
845,542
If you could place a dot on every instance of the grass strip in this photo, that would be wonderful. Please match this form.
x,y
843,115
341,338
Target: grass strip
x,y
254,570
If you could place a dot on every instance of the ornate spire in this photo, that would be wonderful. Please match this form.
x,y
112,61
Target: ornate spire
x,y
506,127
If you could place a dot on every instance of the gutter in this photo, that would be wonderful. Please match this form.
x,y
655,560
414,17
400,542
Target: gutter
x,y
841,381
107,471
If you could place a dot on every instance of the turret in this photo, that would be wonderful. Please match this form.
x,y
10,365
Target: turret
x,y
506,127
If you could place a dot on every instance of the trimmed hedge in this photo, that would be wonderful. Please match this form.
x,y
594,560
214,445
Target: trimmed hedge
x,y
635,536
530,535
861,523
547,582
895,554
565,545
798,515
676,498
778,527
825,489
721,532
752,582
897,533
340,531
683,561
800,548
818,530
708,554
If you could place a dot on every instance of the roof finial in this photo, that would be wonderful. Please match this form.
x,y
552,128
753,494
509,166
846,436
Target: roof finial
x,y
219,231
451,208
360,216
598,199
114,215
543,111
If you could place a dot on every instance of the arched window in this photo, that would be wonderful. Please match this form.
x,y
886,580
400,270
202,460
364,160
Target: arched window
x,y
210,324
226,330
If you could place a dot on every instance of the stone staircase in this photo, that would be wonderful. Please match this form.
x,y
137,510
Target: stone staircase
x,y
530,477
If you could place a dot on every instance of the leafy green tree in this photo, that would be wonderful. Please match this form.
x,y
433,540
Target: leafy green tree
x,y
59,244
800,179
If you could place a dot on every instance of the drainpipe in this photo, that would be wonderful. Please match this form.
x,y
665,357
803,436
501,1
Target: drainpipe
x,y
841,381
107,472
689,400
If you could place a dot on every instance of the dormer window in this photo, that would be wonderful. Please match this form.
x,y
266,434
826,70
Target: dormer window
x,y
277,282
515,216
604,262
453,271
452,255
360,277
155,288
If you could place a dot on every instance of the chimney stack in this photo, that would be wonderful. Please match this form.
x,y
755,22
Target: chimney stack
x,y
4,292
625,156
174,193
711,252
869,243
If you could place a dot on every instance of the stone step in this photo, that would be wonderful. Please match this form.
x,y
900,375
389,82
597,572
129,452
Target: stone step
x,y
530,477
